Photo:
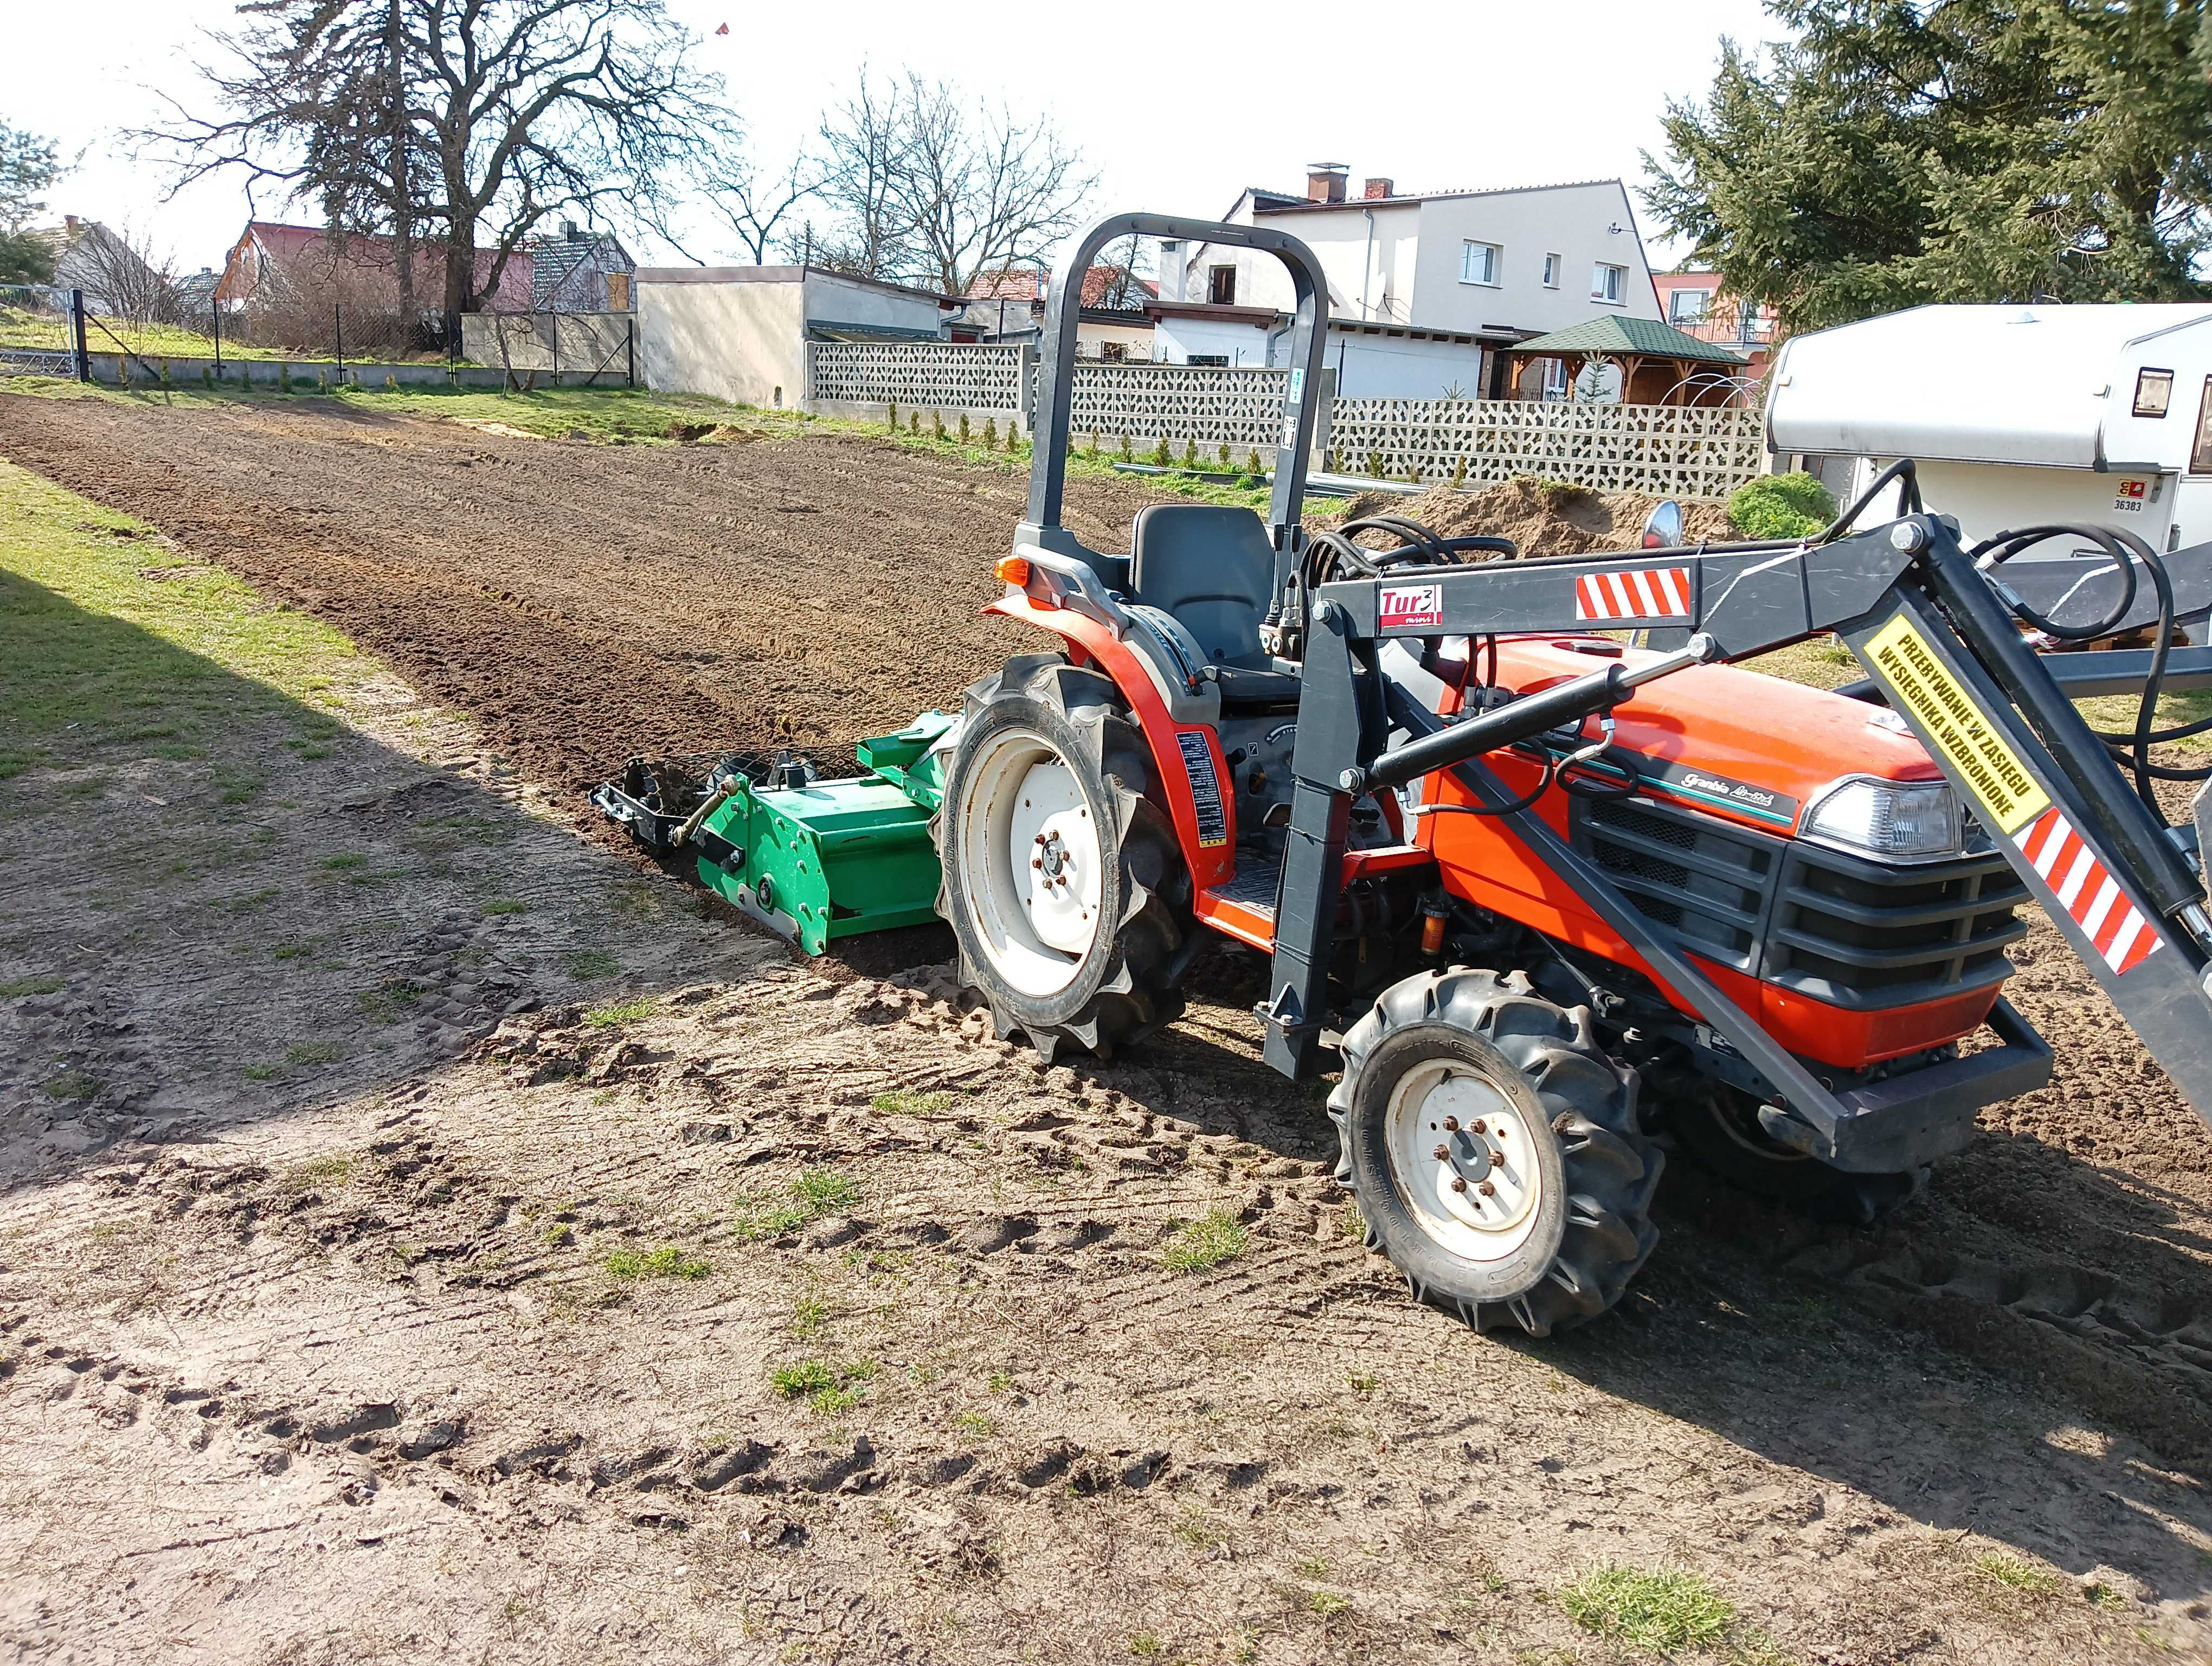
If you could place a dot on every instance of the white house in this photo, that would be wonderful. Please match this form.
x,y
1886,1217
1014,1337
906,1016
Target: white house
x,y
1424,287
741,332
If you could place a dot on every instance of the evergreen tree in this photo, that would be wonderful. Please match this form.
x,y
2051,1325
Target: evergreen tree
x,y
1893,153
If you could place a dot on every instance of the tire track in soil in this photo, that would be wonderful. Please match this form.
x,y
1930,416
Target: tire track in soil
x,y
658,600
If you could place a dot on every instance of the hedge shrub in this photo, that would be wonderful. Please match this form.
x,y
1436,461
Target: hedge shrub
x,y
1781,506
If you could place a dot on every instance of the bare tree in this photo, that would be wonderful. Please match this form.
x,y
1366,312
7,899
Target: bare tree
x,y
867,155
754,205
978,188
121,273
1121,267
757,207
478,118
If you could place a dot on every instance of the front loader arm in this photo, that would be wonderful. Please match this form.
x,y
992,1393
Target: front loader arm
x,y
1935,639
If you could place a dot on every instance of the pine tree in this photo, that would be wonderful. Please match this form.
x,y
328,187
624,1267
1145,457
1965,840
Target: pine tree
x,y
1980,150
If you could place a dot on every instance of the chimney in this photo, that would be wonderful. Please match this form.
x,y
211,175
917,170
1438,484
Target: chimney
x,y
1376,189
68,225
1172,268
568,231
1325,181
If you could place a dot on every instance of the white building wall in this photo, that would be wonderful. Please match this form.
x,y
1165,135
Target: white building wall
x,y
833,300
1402,367
1174,339
744,342
1573,221
1408,269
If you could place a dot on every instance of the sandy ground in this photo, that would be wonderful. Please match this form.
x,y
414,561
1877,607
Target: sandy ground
x,y
347,1361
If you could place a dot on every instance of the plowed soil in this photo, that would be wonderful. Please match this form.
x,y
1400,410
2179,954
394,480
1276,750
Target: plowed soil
x,y
343,1361
586,603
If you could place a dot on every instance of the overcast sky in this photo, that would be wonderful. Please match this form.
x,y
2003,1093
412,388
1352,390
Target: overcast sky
x,y
1177,106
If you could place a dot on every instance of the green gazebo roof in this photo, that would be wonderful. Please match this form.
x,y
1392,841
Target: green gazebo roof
x,y
1622,337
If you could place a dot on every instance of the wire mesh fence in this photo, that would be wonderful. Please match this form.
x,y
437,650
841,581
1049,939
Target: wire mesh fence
x,y
38,331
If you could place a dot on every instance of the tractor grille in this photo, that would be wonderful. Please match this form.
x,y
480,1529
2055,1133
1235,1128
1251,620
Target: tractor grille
x,y
1832,927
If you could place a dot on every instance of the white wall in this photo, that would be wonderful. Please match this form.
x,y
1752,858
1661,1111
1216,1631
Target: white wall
x,y
744,342
833,300
1174,339
1135,340
1569,221
1411,268
1401,367
1382,270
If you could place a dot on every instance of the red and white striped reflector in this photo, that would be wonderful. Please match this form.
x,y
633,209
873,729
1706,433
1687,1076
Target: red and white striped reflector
x,y
1649,593
2087,892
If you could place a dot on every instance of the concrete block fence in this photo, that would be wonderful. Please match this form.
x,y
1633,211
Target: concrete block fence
x,y
1670,450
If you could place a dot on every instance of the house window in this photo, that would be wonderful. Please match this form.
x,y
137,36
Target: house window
x,y
1113,352
618,292
1209,361
2200,456
1555,379
1607,283
1221,286
1550,271
1478,262
1686,305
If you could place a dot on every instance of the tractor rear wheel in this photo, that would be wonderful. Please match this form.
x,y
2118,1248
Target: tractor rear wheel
x,y
1495,1151
1063,881
1718,1127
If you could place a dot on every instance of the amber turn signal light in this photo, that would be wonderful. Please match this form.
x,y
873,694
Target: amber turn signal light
x,y
1013,569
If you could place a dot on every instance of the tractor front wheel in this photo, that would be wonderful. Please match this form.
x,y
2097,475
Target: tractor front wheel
x,y
1494,1151
1063,881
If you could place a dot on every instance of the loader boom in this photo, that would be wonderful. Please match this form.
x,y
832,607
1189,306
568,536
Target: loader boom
x,y
1936,642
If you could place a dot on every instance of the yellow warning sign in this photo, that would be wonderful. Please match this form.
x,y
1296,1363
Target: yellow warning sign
x,y
1922,685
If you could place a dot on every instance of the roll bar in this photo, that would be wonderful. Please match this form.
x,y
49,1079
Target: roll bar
x,y
1308,346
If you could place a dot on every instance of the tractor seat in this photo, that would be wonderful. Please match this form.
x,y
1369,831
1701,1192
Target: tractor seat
x,y
1215,570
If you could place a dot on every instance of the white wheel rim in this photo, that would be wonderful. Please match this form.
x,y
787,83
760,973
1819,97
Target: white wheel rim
x,y
1448,1105
1031,860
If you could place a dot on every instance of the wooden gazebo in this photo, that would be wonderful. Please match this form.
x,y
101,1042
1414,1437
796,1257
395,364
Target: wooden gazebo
x,y
1659,364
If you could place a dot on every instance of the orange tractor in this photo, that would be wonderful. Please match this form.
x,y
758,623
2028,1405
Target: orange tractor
x,y
1545,893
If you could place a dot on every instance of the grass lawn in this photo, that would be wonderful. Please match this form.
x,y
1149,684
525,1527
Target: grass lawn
x,y
21,328
114,647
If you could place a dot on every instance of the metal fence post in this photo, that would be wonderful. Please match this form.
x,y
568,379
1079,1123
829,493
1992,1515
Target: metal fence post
x,y
214,317
76,336
1025,389
629,347
337,324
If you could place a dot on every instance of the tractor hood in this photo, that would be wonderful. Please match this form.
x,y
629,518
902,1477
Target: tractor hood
x,y
1737,743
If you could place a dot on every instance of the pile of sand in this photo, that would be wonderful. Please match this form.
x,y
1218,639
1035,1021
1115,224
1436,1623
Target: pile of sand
x,y
1544,518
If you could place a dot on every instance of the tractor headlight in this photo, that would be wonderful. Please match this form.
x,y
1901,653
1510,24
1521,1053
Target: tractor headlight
x,y
1893,821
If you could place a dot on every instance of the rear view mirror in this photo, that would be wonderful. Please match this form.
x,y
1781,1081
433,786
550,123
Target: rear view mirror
x,y
1662,527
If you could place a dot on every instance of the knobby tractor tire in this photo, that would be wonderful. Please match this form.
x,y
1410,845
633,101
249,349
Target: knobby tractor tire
x,y
1578,1157
1718,1127
1124,984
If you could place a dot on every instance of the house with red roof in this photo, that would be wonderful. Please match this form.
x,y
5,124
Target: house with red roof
x,y
1009,305
270,262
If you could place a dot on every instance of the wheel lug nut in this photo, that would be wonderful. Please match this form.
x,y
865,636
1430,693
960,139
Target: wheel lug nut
x,y
1486,1189
1451,1125
1476,1126
1443,1154
1459,1184
1036,861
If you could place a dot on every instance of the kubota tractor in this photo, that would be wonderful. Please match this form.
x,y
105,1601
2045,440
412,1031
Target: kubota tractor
x,y
1544,892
